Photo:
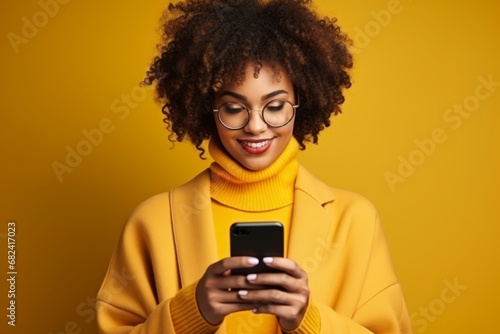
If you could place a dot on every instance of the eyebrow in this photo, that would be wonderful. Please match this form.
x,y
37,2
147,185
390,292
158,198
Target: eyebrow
x,y
244,98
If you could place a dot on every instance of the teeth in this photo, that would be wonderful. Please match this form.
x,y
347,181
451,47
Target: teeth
x,y
256,145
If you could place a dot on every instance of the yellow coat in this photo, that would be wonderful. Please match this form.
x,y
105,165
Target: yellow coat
x,y
335,236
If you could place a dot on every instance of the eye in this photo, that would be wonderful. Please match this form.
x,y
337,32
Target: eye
x,y
275,106
233,108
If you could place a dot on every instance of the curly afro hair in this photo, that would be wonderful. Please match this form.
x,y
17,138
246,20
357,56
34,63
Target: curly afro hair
x,y
207,42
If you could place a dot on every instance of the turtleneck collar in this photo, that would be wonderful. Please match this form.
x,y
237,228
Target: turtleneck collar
x,y
271,188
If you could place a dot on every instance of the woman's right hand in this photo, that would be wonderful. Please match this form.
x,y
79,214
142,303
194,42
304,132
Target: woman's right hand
x,y
213,292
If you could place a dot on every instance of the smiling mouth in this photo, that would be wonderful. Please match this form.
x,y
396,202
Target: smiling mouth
x,y
259,144
255,146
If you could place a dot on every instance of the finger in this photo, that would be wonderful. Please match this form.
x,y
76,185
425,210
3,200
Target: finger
x,y
228,308
276,309
281,281
286,265
270,296
235,262
228,282
277,296
289,317
234,283
230,297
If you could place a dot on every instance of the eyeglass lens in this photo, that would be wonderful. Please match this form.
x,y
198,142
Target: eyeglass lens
x,y
275,113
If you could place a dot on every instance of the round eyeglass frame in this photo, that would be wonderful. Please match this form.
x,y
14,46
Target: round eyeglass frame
x,y
294,107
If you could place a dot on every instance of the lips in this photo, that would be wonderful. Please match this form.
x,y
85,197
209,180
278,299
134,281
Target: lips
x,y
256,146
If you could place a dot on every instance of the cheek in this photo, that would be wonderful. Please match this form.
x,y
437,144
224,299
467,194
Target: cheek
x,y
220,129
225,135
287,130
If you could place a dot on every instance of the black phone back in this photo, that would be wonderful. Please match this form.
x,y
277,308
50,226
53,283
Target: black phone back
x,y
257,239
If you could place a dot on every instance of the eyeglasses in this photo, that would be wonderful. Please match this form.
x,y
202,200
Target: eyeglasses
x,y
276,113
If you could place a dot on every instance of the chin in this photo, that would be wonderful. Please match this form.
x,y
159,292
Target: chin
x,y
256,165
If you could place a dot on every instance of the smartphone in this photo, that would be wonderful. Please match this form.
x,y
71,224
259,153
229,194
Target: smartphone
x,y
256,239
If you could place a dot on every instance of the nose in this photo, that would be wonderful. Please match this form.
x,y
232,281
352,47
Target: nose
x,y
255,123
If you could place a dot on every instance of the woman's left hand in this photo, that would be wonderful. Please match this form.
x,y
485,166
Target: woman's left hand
x,y
289,303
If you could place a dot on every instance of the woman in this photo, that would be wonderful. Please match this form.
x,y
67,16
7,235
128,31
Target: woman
x,y
258,80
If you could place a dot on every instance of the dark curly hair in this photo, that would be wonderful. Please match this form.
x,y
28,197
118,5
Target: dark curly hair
x,y
206,42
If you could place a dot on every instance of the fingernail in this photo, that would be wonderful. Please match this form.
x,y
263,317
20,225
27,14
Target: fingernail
x,y
251,277
268,260
242,292
253,260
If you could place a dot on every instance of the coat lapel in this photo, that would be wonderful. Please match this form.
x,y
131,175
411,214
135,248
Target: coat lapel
x,y
311,223
192,224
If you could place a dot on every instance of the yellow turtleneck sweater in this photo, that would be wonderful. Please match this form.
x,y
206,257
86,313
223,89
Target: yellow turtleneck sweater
x,y
239,194
242,195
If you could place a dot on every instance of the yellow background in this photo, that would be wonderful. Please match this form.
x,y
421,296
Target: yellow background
x,y
78,68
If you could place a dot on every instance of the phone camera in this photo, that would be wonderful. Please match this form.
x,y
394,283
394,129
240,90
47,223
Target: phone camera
x,y
241,231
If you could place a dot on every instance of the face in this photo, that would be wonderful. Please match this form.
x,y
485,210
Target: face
x,y
257,145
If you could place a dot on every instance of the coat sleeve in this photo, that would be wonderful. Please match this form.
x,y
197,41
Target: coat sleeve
x,y
381,307
370,299
141,290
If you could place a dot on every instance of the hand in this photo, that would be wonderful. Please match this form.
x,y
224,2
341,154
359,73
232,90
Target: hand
x,y
215,300
290,303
